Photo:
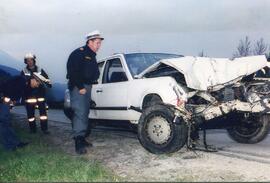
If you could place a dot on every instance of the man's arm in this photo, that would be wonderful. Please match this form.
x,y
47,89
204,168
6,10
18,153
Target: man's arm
x,y
74,69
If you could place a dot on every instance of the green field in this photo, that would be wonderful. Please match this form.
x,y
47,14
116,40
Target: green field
x,y
42,162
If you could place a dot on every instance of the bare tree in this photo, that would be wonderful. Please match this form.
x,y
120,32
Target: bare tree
x,y
244,48
260,47
202,54
268,54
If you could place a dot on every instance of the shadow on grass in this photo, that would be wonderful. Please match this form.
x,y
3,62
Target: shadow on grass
x,y
41,162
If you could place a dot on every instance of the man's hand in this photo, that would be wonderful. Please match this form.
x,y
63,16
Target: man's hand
x,y
34,83
82,91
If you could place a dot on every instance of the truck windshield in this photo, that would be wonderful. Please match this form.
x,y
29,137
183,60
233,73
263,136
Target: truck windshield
x,y
138,62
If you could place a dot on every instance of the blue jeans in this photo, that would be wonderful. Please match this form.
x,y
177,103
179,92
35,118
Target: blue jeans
x,y
8,138
81,106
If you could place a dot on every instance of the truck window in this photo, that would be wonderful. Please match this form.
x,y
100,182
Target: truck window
x,y
114,72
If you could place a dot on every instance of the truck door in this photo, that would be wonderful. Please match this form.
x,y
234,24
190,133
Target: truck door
x,y
111,92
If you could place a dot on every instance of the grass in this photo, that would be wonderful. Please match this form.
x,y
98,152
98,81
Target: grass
x,y
42,162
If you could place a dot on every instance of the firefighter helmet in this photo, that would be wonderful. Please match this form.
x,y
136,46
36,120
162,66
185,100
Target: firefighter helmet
x,y
30,56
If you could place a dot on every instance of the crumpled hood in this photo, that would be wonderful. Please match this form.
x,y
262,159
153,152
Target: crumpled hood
x,y
202,73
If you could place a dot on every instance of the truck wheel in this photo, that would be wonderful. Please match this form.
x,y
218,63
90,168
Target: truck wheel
x,y
251,130
158,134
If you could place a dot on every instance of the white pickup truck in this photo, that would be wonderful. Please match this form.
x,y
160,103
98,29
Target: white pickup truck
x,y
170,97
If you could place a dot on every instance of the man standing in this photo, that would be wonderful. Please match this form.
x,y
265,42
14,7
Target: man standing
x,y
10,91
82,72
35,93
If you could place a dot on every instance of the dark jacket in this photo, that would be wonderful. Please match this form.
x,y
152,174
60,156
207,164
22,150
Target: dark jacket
x,y
13,88
82,67
28,74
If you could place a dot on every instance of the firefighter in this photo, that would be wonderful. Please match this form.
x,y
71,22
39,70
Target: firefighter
x,y
10,91
34,94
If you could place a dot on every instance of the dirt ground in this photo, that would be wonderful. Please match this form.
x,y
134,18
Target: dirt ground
x,y
122,153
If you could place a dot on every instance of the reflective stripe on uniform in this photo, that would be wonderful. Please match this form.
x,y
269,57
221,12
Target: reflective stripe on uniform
x,y
31,100
6,99
41,99
31,119
43,117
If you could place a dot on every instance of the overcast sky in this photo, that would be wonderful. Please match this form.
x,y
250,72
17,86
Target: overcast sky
x,y
53,28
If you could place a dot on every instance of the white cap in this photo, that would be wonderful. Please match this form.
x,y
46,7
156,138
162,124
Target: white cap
x,y
94,35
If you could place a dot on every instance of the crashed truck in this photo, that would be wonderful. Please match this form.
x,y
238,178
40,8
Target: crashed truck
x,y
170,98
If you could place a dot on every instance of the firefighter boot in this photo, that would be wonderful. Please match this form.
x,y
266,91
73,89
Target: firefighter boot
x,y
33,126
80,145
44,127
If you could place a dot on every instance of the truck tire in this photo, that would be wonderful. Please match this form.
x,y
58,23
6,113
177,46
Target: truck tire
x,y
251,132
158,133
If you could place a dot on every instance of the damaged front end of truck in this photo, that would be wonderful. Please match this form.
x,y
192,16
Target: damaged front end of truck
x,y
221,93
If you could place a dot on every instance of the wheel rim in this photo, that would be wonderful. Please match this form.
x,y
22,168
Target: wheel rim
x,y
159,130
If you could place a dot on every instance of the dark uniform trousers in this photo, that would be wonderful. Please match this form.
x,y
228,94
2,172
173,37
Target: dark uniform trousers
x,y
31,104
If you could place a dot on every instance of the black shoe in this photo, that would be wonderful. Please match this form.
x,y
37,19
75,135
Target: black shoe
x,y
80,145
33,127
87,144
